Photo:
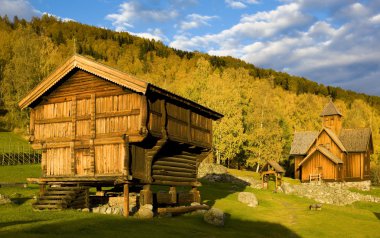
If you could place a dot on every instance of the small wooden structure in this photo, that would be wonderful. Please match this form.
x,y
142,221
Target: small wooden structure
x,y
271,167
97,126
333,153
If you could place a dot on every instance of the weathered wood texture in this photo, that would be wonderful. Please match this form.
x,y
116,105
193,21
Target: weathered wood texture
x,y
182,124
325,140
319,164
82,124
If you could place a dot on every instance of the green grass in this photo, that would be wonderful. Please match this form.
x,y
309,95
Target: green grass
x,y
11,142
375,191
278,215
19,173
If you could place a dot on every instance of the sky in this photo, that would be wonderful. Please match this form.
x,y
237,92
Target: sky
x,y
334,42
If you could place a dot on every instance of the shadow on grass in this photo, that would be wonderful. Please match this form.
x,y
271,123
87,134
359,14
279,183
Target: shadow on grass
x,y
14,223
227,184
185,226
20,201
377,215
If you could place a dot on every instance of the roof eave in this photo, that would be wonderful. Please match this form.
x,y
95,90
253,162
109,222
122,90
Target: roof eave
x,y
91,66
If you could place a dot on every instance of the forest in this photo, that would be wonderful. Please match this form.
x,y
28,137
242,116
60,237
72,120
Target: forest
x,y
262,108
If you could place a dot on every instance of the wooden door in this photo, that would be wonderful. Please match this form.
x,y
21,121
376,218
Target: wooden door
x,y
83,162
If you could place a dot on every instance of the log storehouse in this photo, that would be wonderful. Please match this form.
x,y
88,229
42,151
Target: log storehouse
x,y
100,127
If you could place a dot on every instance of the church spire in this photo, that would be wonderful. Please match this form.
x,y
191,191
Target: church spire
x,y
332,117
330,110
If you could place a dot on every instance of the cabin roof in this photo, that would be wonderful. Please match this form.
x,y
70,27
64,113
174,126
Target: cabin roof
x,y
276,166
111,74
325,152
357,140
302,142
330,109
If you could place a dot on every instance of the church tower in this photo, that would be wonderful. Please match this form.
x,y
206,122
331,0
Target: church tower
x,y
332,118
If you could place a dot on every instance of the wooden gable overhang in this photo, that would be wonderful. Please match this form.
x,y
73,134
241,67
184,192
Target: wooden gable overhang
x,y
334,138
325,152
113,75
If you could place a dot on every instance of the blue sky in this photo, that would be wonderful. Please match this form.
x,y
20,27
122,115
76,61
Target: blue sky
x,y
334,42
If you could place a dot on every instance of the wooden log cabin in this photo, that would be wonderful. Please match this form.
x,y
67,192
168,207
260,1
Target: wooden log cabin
x,y
97,126
334,153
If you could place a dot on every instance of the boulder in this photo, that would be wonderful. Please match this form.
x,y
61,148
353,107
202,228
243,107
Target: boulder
x,y
210,168
145,212
248,198
4,199
287,188
215,217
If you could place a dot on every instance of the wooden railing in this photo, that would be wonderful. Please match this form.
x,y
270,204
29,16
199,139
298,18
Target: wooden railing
x,y
15,155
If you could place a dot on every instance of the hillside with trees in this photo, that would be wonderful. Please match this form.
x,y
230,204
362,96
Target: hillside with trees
x,y
263,108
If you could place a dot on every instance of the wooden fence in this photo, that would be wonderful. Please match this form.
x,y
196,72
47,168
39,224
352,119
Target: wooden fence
x,y
14,155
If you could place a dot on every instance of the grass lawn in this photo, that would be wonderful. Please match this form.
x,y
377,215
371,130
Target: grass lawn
x,y
278,215
11,142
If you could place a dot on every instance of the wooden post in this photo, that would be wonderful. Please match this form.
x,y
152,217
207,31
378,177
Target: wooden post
x,y
126,200
196,195
126,155
163,118
31,126
188,125
42,189
276,181
146,195
72,151
143,115
173,195
93,116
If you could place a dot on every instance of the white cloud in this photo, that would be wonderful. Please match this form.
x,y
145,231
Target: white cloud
x,y
340,49
195,21
19,8
133,11
239,4
64,19
256,26
153,34
375,19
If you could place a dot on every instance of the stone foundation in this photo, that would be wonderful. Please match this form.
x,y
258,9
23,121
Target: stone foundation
x,y
361,185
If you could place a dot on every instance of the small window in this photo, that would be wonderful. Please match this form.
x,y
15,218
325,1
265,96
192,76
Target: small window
x,y
327,146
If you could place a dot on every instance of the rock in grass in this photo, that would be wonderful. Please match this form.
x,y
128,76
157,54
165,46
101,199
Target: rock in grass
x,y
4,199
145,212
215,217
248,198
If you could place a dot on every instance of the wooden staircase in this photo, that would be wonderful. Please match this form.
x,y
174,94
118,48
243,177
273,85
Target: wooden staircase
x,y
59,198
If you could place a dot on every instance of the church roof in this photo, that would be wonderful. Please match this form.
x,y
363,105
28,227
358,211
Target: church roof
x,y
357,140
330,109
302,142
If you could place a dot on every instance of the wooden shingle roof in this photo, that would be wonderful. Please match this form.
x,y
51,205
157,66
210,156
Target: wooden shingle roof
x,y
357,140
302,142
110,74
330,109
278,168
325,152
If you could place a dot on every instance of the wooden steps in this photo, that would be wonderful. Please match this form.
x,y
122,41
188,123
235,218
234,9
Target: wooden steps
x,y
58,198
